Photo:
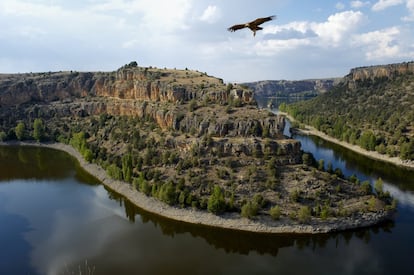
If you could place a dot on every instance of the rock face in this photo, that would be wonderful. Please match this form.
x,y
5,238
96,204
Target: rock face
x,y
163,95
285,88
314,87
370,73
384,71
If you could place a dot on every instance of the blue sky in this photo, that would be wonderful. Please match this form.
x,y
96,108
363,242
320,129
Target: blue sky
x,y
309,39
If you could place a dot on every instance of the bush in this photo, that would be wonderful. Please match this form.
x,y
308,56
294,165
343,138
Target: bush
x,y
366,187
324,213
20,131
249,209
114,172
275,212
3,136
379,187
216,203
304,214
295,195
167,193
38,129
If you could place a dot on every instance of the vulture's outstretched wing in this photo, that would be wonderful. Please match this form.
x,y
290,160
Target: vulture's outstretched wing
x,y
259,21
237,27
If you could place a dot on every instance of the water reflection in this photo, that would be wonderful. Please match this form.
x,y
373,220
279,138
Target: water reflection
x,y
34,163
397,180
244,242
14,249
66,224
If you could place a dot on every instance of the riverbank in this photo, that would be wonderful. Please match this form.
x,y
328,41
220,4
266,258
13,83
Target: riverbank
x,y
231,221
311,131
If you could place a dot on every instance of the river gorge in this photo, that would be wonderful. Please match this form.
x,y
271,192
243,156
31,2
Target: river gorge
x,y
57,219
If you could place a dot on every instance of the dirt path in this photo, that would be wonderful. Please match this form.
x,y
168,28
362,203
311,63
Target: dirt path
x,y
229,221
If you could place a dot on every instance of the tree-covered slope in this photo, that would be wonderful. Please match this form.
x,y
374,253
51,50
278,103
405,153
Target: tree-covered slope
x,y
373,109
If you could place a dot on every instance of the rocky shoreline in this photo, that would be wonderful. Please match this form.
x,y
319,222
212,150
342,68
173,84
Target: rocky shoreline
x,y
231,221
311,131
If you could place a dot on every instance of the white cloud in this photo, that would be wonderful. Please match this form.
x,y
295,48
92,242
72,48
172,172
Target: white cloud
x,y
410,7
337,26
296,35
295,26
384,4
211,14
154,14
272,47
359,4
380,44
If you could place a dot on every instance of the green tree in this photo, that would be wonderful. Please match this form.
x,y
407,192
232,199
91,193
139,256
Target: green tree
x,y
368,141
78,141
379,186
20,130
114,172
407,150
127,167
366,187
167,193
216,203
3,136
38,129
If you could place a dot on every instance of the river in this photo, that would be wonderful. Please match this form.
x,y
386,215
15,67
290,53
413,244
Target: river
x,y
57,219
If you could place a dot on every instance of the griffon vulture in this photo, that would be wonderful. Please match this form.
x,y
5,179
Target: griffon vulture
x,y
254,25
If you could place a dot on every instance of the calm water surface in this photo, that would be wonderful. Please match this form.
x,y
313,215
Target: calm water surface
x,y
57,219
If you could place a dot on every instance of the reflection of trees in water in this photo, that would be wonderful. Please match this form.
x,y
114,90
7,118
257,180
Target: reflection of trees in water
x,y
26,162
242,242
402,177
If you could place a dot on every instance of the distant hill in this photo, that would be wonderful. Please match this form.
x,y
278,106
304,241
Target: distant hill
x,y
371,107
286,88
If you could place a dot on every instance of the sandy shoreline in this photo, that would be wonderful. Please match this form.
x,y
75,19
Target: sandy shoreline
x,y
227,221
311,131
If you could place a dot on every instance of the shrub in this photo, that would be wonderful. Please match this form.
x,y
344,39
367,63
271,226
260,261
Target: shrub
x,y
366,187
3,136
114,172
325,211
38,129
216,203
20,131
249,209
304,214
294,196
275,212
379,187
167,193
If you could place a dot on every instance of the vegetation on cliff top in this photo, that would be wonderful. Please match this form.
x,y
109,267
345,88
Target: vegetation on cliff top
x,y
205,157
375,113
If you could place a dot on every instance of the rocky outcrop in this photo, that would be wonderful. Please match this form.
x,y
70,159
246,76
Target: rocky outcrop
x,y
384,71
285,88
137,84
159,94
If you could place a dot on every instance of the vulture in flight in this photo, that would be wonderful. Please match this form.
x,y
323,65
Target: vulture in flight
x,y
253,25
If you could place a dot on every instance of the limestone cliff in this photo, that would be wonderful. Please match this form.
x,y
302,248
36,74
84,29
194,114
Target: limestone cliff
x,y
177,100
286,88
371,73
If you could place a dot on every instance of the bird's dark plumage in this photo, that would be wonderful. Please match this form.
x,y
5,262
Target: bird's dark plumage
x,y
253,25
